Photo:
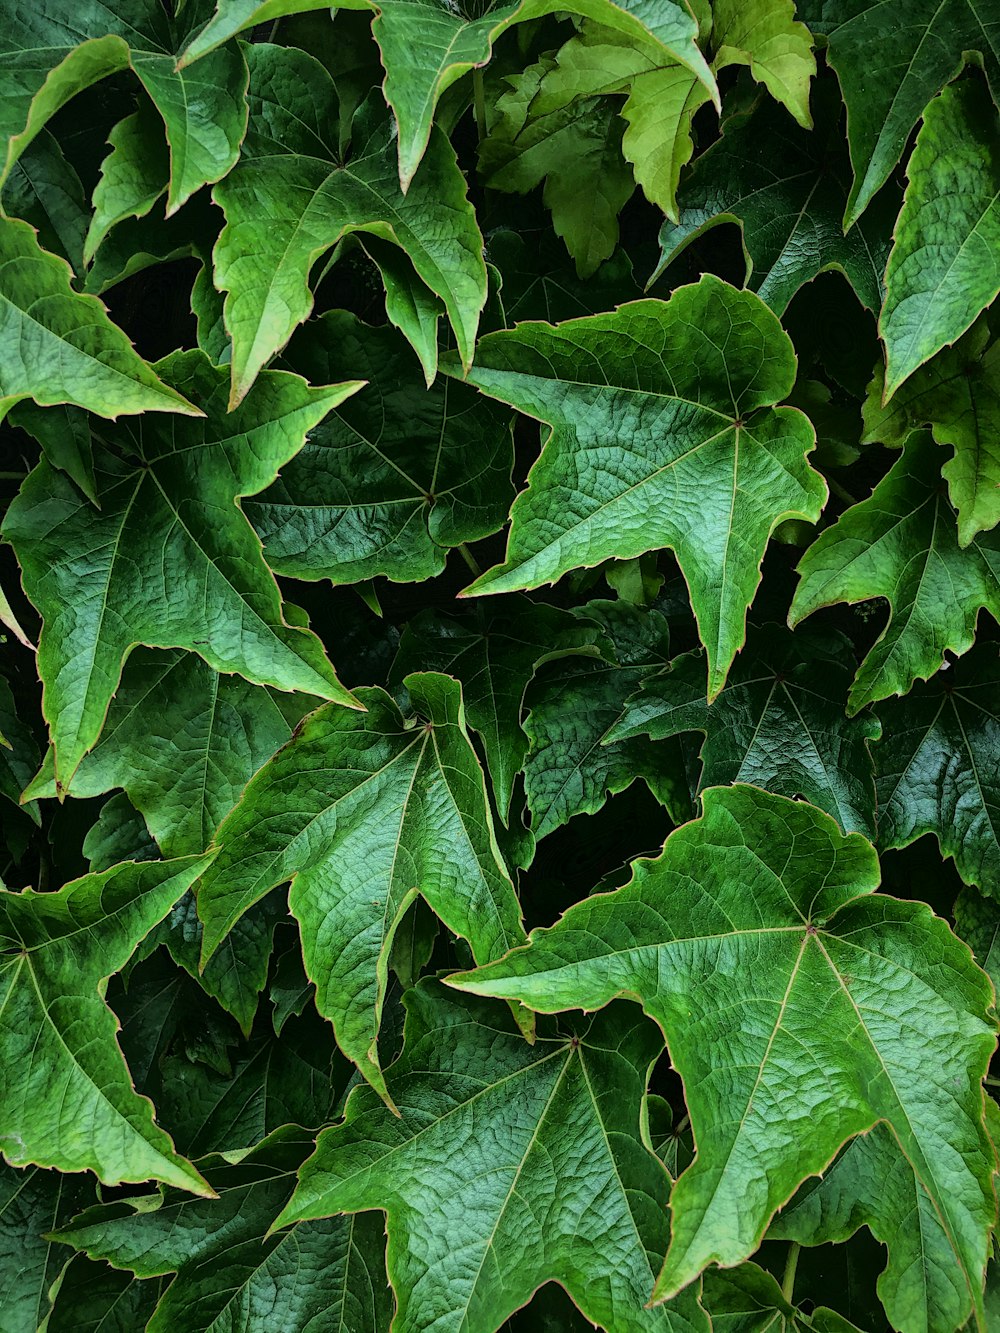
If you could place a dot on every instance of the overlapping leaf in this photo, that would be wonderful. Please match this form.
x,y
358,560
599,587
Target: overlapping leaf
x,y
662,433
33,1203
749,1300
854,1008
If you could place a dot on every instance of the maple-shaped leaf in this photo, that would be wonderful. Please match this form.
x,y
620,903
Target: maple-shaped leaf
x,y
872,1184
748,1299
66,1098
362,812
60,347
945,262
938,766
786,188
493,1135
494,652
957,394
229,1271
169,552
293,197
779,723
854,1008
388,482
47,56
921,45
902,544
662,433
33,1203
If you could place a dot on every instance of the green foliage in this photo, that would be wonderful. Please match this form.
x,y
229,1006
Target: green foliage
x,y
425,522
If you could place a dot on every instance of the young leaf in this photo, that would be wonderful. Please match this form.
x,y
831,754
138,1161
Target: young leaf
x,y
662,433
938,768
400,809
531,1153
854,1008
945,262
778,724
170,551
902,544
60,347
388,483
292,198
229,1271
66,1098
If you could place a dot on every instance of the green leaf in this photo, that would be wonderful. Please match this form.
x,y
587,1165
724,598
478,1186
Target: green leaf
x,y
18,751
133,175
46,57
169,551
854,1008
59,346
662,434
388,482
401,810
64,432
33,1203
786,189
945,262
229,1271
749,1300
292,198
902,544
45,190
93,1298
570,768
938,768
872,1184
537,283
918,46
66,1099
235,16
494,653
977,921
493,1135
779,723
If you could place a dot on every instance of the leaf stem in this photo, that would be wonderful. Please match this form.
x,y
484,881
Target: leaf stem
x,y
841,491
991,1082
12,476
469,558
479,102
791,1263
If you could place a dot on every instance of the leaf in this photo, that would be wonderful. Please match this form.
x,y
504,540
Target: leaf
x,y
229,1271
494,653
902,544
66,1099
749,1300
169,550
573,708
537,283
64,432
59,346
401,810
854,1008
944,267
18,751
387,483
662,434
977,921
133,175
786,189
32,1203
921,45
46,57
45,190
779,723
292,198
561,1119
938,767
93,1298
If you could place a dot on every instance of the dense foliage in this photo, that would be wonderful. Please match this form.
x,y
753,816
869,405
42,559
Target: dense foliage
x,y
480,467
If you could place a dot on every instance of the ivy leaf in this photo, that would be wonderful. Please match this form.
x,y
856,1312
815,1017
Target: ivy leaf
x,y
47,57
939,767
45,190
229,1271
93,1298
18,751
401,810
66,1099
977,921
922,44
944,266
494,653
662,434
872,1184
292,198
749,1300
537,283
65,434
573,709
786,189
562,1122
235,16
779,723
902,544
170,550
855,1009
33,1203
388,483
61,347
133,175
183,742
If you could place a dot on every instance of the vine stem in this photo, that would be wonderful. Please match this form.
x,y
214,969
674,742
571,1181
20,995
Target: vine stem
x,y
479,102
991,1082
469,558
791,1263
